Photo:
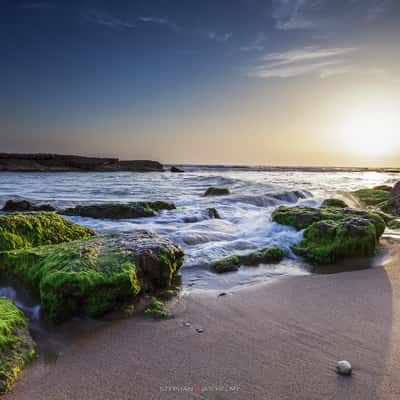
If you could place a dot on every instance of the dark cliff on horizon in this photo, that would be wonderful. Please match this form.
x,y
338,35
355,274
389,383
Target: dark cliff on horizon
x,y
64,163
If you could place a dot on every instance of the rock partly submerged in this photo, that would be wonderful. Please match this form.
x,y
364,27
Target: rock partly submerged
x,y
176,170
332,233
26,206
62,163
16,345
216,191
269,255
140,209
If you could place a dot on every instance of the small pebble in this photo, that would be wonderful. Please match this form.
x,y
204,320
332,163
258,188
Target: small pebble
x,y
222,294
199,330
187,324
344,368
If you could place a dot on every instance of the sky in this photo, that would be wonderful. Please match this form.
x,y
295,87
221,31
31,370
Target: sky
x,y
255,82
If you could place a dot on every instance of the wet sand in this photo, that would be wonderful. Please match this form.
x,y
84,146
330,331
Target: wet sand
x,y
275,341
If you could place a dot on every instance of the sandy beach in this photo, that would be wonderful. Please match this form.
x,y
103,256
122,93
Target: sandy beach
x,y
275,341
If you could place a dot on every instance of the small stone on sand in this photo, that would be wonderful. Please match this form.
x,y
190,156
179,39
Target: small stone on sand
x,y
344,368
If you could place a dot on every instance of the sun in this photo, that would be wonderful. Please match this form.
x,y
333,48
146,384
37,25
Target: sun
x,y
372,130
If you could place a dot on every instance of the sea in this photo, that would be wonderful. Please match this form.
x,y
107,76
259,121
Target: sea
x,y
245,224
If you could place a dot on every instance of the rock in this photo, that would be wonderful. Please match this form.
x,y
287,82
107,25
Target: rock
x,y
58,163
215,191
16,345
344,368
176,170
326,242
199,330
38,229
394,224
213,213
25,206
156,310
168,294
268,255
334,203
93,276
394,199
227,264
222,294
139,209
373,198
302,217
332,233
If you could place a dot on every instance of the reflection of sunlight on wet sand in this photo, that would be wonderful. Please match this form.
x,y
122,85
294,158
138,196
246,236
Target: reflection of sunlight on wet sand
x,y
390,388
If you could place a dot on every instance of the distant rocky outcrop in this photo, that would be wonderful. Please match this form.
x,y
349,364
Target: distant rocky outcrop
x,y
26,206
62,163
216,191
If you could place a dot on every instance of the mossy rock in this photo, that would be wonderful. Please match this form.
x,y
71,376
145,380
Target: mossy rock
x,y
37,229
156,310
334,203
216,191
26,206
373,198
326,242
302,217
268,255
386,188
91,277
227,264
16,345
140,209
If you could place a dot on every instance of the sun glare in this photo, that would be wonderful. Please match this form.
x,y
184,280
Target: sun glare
x,y
372,130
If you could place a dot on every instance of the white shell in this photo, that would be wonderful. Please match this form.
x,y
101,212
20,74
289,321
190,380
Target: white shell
x,y
344,368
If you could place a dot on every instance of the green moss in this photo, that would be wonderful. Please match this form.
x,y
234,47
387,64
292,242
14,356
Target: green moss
x,y
160,205
227,264
16,345
168,294
156,310
264,256
334,203
79,278
374,198
30,230
216,191
326,242
303,217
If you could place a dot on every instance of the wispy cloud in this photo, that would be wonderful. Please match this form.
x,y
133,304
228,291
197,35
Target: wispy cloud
x,y
300,62
257,44
219,37
107,20
161,21
294,14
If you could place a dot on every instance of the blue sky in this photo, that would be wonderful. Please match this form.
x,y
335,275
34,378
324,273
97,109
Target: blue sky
x,y
193,81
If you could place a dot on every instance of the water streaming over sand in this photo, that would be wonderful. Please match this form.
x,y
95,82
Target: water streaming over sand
x,y
246,213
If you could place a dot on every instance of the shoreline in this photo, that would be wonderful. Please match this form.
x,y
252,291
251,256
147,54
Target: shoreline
x,y
267,341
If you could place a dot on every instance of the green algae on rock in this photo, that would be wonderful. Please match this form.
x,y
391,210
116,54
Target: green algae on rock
x,y
268,255
227,264
140,209
26,206
302,217
93,276
156,310
37,229
16,345
326,242
375,197
332,233
334,203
